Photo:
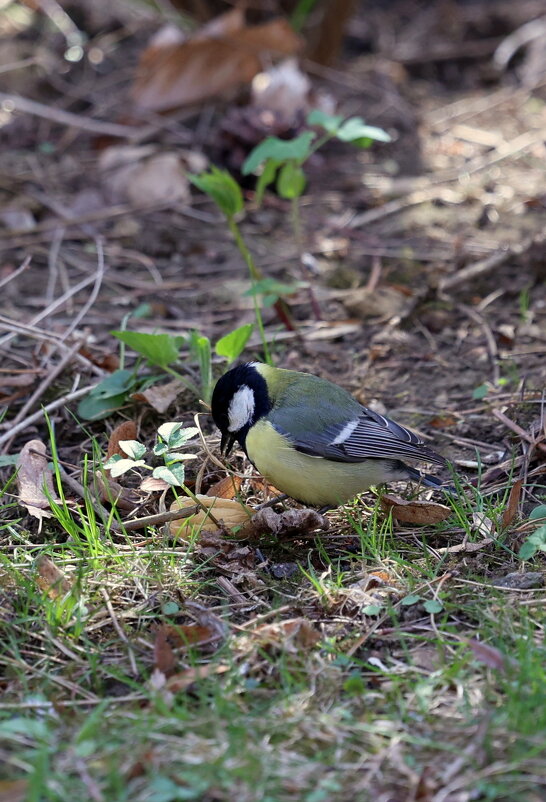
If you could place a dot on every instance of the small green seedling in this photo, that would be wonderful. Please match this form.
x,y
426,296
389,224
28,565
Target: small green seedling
x,y
282,160
537,541
226,193
171,437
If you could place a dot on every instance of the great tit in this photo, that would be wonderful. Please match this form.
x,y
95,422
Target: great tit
x,y
310,438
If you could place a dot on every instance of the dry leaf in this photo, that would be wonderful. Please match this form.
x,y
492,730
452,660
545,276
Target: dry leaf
x,y
160,396
125,431
442,421
140,175
51,579
482,524
513,502
228,487
219,58
226,511
292,635
183,680
112,492
379,302
13,790
489,655
34,479
164,657
415,512
290,523
152,485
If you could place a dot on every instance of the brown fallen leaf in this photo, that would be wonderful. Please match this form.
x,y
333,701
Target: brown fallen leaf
x,y
228,512
152,485
51,579
419,513
223,55
489,655
294,634
443,421
124,431
228,487
513,503
34,480
383,301
13,790
164,656
183,680
139,174
290,523
111,492
160,396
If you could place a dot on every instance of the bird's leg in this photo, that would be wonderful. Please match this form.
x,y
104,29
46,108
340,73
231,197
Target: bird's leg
x,y
272,502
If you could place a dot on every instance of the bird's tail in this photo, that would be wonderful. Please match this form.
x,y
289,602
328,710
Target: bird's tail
x,y
429,480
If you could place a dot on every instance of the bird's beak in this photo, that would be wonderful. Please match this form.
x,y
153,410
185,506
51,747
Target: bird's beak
x,y
226,443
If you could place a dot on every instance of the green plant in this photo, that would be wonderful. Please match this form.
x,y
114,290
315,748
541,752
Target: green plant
x,y
537,541
281,161
227,195
170,437
162,351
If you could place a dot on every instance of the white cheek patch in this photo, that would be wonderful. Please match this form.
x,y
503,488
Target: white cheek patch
x,y
346,432
241,408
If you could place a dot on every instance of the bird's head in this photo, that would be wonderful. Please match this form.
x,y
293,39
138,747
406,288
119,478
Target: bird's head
x,y
240,398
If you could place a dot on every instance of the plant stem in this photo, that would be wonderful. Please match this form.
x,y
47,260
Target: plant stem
x,y
254,277
298,236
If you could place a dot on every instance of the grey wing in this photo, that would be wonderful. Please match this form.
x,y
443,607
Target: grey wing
x,y
367,436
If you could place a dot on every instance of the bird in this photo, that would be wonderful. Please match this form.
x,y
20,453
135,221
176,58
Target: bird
x,y
310,438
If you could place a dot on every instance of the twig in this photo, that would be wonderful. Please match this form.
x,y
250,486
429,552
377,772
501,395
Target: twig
x,y
53,306
99,275
42,387
15,273
119,630
160,518
60,402
27,106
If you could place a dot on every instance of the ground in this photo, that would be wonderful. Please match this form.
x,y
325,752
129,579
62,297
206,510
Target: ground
x,y
359,655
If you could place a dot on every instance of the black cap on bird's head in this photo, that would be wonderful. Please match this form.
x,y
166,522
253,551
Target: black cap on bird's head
x,y
239,399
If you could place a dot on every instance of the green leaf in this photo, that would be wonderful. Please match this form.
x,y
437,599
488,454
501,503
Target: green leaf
x,y
433,606
8,459
266,178
180,437
166,430
93,408
174,475
177,456
412,598
132,448
354,685
120,381
536,542
538,512
124,465
480,392
232,345
280,150
170,608
330,122
158,349
200,351
222,188
160,448
355,128
372,609
291,181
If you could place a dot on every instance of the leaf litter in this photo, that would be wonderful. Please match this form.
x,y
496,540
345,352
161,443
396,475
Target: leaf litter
x,y
426,357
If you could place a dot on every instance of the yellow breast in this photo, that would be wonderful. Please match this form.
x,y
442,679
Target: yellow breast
x,y
313,480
